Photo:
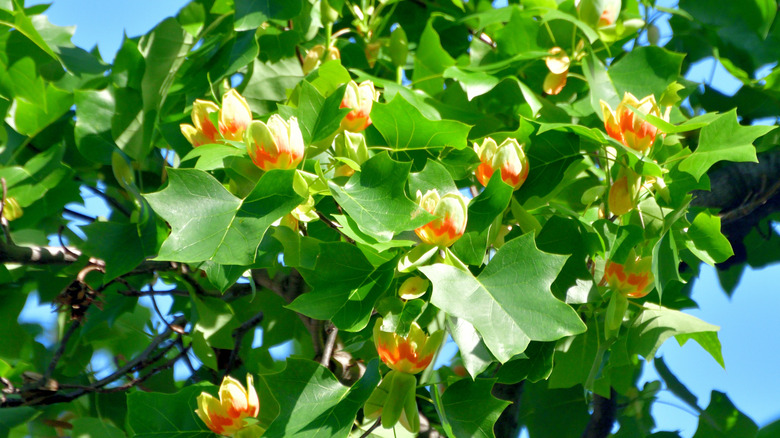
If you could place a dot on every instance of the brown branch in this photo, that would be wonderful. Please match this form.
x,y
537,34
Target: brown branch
x,y
603,416
63,344
238,334
147,358
111,201
327,352
373,427
335,226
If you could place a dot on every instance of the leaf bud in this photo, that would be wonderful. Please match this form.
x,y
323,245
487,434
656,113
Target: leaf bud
x,y
413,287
352,146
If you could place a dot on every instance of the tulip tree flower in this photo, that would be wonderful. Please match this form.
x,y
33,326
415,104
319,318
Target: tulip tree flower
x,y
315,56
359,99
508,157
234,412
394,398
410,354
600,13
234,117
624,126
275,145
558,63
633,278
452,217
203,131
622,193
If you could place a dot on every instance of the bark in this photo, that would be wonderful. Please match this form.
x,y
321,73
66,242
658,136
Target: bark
x,y
745,194
603,416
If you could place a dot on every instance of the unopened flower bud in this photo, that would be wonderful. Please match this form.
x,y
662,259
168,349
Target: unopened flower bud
x,y
413,287
359,99
314,58
350,145
623,193
452,215
12,210
599,13
508,157
275,145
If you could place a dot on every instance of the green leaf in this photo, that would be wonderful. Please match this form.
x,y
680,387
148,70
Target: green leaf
x,y
319,117
345,286
405,128
216,321
674,384
473,351
137,241
645,71
433,176
471,409
666,262
430,61
723,419
152,414
473,83
537,366
601,86
706,240
655,324
549,157
549,412
312,401
375,198
250,14
95,428
509,303
484,219
723,139
94,112
209,223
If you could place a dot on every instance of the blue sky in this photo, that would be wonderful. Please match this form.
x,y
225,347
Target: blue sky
x,y
749,323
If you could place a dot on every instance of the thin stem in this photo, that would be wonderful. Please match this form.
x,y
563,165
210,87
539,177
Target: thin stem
x,y
373,427
327,352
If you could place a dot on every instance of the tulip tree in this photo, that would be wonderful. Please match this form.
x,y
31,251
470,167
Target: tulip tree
x,y
538,182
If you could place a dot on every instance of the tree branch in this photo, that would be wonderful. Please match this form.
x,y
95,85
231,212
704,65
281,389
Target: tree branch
x,y
238,334
603,416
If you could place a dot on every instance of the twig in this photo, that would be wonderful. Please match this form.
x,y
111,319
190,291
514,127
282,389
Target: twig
x,y
78,215
373,427
63,344
335,226
238,334
3,221
111,201
327,352
178,330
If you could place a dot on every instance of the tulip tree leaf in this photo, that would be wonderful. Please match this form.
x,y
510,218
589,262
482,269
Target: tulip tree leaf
x,y
509,303
471,409
483,220
706,240
723,419
723,139
313,403
152,414
250,14
319,117
645,71
209,223
404,127
376,201
345,286
656,324
475,355
549,156
94,427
